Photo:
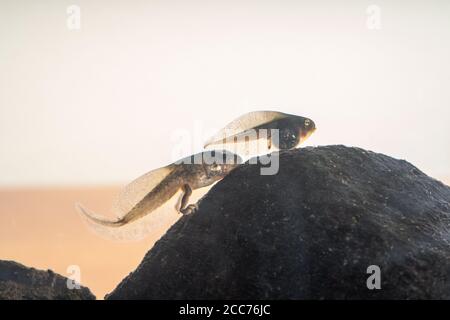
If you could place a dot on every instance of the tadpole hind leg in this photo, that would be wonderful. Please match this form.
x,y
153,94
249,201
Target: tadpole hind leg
x,y
189,209
184,207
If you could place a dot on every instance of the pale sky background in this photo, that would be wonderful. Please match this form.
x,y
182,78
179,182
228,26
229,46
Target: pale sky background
x,y
101,104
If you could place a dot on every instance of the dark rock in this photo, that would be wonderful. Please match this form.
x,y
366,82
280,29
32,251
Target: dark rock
x,y
309,232
18,282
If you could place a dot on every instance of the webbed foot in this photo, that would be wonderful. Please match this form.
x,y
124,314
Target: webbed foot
x,y
189,209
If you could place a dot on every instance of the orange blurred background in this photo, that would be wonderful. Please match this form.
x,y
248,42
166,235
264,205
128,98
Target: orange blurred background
x,y
40,228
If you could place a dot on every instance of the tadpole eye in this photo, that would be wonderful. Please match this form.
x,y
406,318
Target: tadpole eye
x,y
288,139
307,123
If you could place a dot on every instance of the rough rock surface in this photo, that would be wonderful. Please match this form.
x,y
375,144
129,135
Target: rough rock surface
x,y
309,232
18,282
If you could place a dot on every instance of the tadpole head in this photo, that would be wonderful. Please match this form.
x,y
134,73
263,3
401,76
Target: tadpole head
x,y
307,129
292,132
